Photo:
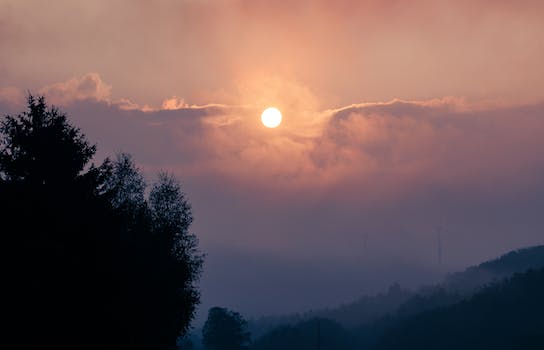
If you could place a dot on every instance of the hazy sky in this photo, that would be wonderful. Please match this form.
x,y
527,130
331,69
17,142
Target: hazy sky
x,y
399,116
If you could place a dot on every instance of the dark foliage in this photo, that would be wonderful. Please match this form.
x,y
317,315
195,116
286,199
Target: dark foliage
x,y
90,262
369,334
40,147
225,330
506,315
318,333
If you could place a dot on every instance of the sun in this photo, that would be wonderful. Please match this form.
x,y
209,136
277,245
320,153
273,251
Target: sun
x,y
271,117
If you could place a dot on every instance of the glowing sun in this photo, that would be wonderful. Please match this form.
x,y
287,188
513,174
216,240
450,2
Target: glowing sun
x,y
271,117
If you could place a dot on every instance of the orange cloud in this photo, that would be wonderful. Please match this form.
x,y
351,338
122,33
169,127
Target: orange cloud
x,y
174,103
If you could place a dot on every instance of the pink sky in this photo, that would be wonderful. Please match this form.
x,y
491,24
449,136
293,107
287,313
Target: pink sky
x,y
224,51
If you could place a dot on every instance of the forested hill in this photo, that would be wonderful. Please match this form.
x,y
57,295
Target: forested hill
x,y
515,261
504,315
504,311
405,303
349,315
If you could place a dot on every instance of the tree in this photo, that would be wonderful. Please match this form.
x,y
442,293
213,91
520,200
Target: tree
x,y
125,185
159,258
225,330
93,262
54,224
171,217
186,344
174,261
41,147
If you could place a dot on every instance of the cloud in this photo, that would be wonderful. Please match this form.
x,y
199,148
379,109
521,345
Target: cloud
x,y
173,103
88,87
447,140
388,148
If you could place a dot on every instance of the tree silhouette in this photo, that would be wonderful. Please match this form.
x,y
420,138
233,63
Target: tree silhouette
x,y
93,262
41,147
225,330
173,262
125,185
53,220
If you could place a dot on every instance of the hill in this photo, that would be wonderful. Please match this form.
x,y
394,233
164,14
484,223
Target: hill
x,y
515,261
397,300
504,315
349,315
371,320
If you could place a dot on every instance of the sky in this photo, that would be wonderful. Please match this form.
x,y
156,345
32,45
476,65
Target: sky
x,y
398,118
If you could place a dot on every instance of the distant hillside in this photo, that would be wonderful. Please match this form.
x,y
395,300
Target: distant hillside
x,y
365,309
476,276
462,285
505,315
370,316
456,287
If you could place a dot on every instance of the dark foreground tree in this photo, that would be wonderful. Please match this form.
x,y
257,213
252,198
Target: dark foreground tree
x,y
225,330
91,262
162,264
